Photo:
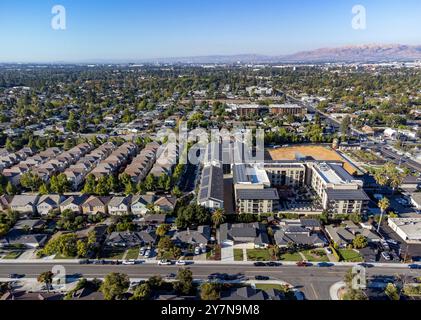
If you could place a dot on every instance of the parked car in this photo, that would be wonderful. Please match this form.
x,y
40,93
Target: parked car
x,y
415,266
129,262
386,256
181,263
259,264
303,264
328,251
366,265
171,275
197,250
165,263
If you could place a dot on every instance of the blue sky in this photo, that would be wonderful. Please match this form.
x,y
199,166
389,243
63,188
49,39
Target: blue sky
x,y
130,30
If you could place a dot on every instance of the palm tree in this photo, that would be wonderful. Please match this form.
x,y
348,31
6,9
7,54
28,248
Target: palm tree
x,y
384,204
46,278
218,217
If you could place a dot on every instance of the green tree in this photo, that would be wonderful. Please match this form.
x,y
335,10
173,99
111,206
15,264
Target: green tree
x,y
82,248
142,292
218,217
360,242
384,204
184,284
115,285
11,189
209,291
90,185
46,278
392,292
72,124
162,230
43,189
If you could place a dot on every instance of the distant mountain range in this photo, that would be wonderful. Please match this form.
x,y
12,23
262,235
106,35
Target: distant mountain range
x,y
358,53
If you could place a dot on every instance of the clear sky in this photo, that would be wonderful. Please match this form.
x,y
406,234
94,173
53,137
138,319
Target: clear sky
x,y
100,30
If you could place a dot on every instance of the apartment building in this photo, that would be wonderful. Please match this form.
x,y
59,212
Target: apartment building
x,y
286,174
252,190
340,193
286,109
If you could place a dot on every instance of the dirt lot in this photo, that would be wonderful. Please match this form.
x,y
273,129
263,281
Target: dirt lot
x,y
316,152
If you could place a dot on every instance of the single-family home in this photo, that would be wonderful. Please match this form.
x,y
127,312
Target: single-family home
x,y
141,203
24,203
49,202
119,206
96,205
248,235
201,236
129,239
165,204
73,203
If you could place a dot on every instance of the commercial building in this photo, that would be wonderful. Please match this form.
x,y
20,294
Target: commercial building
x,y
409,229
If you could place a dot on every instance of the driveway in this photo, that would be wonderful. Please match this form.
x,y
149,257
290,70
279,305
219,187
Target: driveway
x,y
227,252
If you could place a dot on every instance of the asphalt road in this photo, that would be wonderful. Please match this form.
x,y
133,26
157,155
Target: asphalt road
x,y
314,282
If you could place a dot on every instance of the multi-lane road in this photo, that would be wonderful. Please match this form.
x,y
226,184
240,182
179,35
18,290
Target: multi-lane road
x,y
314,282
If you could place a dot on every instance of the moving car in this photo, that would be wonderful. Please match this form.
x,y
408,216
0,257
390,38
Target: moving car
x,y
261,278
325,264
259,264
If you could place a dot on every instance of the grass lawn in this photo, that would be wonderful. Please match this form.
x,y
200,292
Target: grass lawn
x,y
316,258
291,257
258,255
132,253
350,255
12,255
238,255
113,253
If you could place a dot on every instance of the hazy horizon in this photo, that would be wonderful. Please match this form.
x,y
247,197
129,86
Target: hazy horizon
x,y
128,31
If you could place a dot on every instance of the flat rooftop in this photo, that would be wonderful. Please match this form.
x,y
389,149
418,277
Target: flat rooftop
x,y
410,226
334,173
250,174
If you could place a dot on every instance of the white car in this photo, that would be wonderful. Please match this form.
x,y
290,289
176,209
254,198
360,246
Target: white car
x,y
386,256
129,262
147,253
181,263
164,263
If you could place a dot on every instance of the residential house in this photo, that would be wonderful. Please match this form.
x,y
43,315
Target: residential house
x,y
96,205
346,233
24,203
47,203
249,235
201,236
129,239
119,206
300,232
165,204
141,203
73,203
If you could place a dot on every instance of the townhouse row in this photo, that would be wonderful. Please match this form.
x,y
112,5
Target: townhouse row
x,y
77,172
142,164
9,159
115,161
85,204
